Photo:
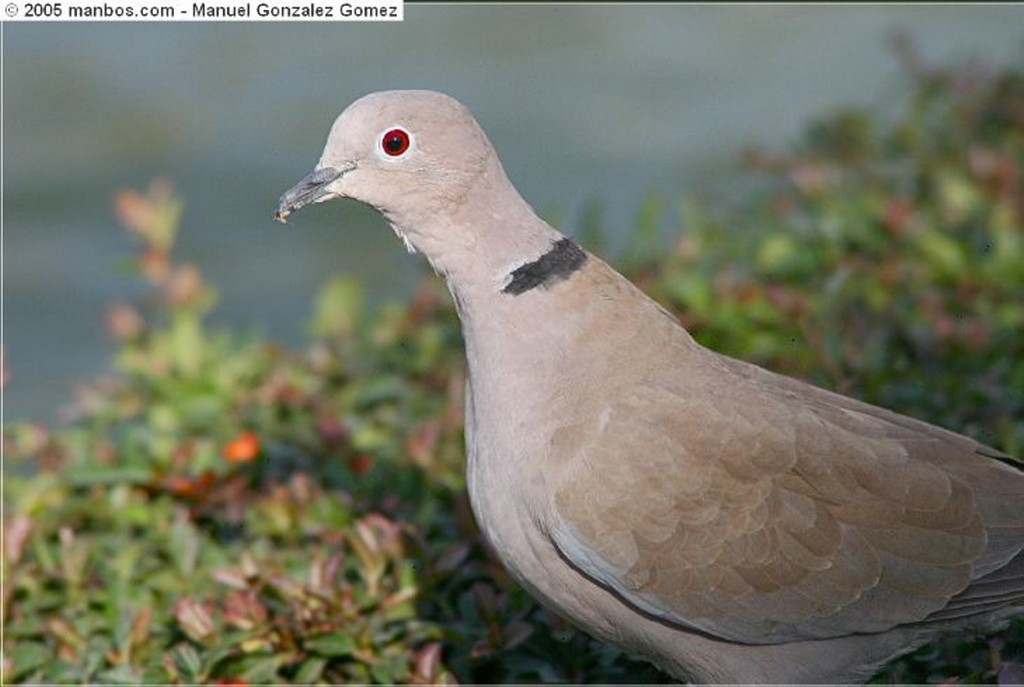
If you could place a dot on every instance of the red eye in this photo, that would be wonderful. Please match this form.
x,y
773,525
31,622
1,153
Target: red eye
x,y
395,142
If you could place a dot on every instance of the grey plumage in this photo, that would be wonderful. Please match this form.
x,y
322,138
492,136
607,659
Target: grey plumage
x,y
726,522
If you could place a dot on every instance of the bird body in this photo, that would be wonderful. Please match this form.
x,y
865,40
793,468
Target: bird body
x,y
726,522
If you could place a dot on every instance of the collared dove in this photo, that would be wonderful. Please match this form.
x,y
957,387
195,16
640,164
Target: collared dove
x,y
727,523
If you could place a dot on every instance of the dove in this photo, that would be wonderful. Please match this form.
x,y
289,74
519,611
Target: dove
x,y
727,523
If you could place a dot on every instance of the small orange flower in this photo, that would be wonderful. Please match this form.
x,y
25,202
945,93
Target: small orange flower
x,y
242,449
232,682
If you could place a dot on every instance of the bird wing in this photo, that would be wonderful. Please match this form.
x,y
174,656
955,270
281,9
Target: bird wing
x,y
760,509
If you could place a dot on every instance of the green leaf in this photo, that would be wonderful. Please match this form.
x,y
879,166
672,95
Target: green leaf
x,y
186,343
185,542
944,254
187,660
260,669
332,644
92,474
692,290
120,675
310,671
27,656
338,308
390,670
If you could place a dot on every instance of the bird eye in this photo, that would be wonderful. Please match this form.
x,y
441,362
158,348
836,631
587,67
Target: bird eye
x,y
394,142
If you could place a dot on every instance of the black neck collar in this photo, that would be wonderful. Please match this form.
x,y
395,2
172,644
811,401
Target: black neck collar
x,y
564,258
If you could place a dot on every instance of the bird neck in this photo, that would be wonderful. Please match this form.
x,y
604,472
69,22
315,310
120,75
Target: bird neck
x,y
480,239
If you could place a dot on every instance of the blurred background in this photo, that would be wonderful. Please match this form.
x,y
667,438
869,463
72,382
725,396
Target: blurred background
x,y
584,104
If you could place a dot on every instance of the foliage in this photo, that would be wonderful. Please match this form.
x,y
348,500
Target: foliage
x,y
227,511
223,510
882,260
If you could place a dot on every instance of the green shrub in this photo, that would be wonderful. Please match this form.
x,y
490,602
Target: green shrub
x,y
224,510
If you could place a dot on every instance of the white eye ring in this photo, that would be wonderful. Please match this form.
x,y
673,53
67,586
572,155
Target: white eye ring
x,y
394,143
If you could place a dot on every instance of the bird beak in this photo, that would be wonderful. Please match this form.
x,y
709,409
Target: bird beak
x,y
312,189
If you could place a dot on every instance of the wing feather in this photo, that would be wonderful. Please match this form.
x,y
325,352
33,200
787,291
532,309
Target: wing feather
x,y
773,511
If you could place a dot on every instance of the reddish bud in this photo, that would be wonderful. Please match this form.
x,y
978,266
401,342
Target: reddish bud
x,y
360,463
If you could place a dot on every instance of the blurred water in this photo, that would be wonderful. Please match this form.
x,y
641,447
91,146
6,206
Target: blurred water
x,y
583,103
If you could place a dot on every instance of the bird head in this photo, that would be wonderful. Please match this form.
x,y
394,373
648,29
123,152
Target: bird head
x,y
400,152
421,159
